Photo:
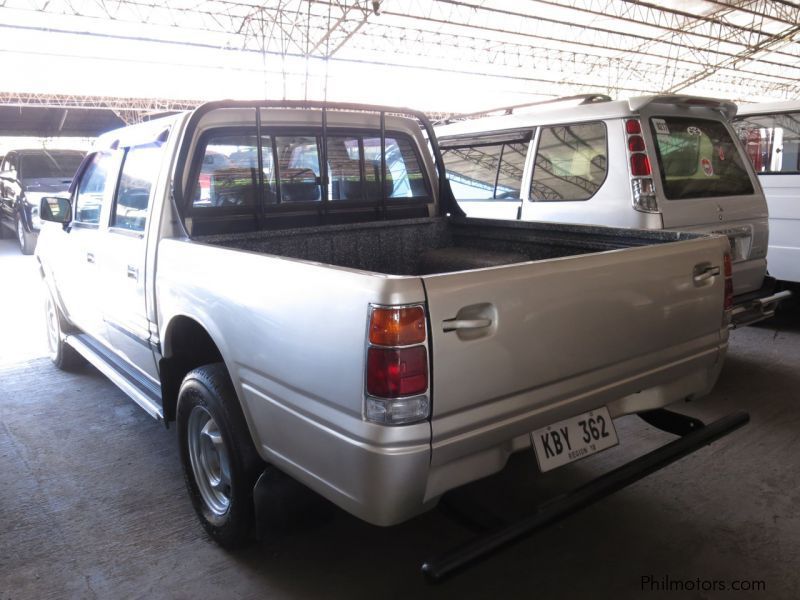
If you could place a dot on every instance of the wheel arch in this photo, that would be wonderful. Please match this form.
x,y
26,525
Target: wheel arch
x,y
186,345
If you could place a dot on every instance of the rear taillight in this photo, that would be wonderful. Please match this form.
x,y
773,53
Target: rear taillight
x,y
397,366
640,164
642,188
728,266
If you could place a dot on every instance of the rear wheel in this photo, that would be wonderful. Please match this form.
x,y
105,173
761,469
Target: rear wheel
x,y
27,241
220,462
63,355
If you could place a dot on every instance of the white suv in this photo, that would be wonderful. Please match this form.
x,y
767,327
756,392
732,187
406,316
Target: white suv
x,y
652,162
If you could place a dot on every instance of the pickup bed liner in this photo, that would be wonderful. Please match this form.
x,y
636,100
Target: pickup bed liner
x,y
438,244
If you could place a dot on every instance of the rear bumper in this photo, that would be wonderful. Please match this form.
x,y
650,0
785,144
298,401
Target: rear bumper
x,y
757,306
386,475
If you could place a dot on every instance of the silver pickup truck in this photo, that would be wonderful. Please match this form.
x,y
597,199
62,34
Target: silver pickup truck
x,y
346,324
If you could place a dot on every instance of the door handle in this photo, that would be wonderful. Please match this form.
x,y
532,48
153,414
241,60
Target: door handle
x,y
90,257
461,324
705,274
133,272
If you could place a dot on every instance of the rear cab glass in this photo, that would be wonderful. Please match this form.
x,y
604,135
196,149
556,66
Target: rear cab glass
x,y
698,158
229,176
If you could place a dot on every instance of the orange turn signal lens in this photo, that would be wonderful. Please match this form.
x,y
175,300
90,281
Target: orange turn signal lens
x,y
397,326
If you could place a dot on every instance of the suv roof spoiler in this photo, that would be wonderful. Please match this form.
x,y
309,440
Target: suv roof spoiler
x,y
447,202
579,99
726,107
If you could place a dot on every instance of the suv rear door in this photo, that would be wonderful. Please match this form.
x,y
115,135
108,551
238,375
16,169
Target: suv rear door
x,y
705,183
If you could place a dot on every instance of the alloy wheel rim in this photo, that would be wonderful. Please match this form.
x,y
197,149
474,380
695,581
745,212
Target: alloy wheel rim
x,y
20,233
210,461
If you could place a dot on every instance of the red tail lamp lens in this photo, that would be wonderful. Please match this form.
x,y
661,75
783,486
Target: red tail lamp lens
x,y
640,165
636,143
397,326
633,126
397,372
728,263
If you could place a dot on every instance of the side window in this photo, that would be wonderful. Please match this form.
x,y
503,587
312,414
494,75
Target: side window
x,y
91,189
140,169
571,162
229,173
486,170
772,142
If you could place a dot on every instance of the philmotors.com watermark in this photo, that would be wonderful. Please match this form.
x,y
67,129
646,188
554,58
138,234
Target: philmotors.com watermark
x,y
665,583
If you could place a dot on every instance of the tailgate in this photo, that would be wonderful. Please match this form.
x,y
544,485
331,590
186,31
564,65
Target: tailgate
x,y
553,322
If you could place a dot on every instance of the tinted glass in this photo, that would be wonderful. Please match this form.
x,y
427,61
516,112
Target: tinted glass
x,y
344,168
229,173
772,142
698,159
91,189
139,172
571,162
49,164
404,175
298,168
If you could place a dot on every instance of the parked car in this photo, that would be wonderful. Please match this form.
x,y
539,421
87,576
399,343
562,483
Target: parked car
x,y
26,176
652,162
770,133
347,325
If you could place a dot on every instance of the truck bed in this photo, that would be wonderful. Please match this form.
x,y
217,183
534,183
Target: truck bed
x,y
438,244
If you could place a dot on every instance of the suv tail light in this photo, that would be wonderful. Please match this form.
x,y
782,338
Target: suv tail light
x,y
728,266
644,193
397,366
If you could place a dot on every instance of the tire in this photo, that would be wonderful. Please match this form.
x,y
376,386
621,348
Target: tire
x,y
64,356
220,461
27,241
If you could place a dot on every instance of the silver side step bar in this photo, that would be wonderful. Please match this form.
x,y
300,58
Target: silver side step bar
x,y
757,309
144,393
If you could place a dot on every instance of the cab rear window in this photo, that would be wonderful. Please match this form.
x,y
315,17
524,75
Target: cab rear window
x,y
291,174
698,158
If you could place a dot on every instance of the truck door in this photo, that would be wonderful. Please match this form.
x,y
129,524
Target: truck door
x,y
123,258
76,266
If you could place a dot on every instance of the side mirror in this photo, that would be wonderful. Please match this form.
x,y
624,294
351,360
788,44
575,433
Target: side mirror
x,y
56,210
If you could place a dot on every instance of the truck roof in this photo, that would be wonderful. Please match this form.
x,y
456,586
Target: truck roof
x,y
548,114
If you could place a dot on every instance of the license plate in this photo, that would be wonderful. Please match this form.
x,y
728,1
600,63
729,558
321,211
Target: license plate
x,y
574,438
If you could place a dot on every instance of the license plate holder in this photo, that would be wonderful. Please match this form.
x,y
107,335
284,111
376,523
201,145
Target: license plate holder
x,y
574,438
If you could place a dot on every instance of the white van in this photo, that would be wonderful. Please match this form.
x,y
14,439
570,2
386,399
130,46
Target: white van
x,y
652,162
770,134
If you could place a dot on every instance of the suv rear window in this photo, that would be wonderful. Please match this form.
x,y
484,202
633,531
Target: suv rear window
x,y
698,159
50,164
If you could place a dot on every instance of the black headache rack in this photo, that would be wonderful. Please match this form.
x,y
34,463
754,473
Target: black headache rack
x,y
181,193
694,435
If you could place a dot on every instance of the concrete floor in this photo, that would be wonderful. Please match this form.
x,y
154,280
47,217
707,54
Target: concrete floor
x,y
92,501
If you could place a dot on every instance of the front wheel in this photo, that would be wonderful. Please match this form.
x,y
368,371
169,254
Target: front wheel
x,y
220,462
27,241
64,356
